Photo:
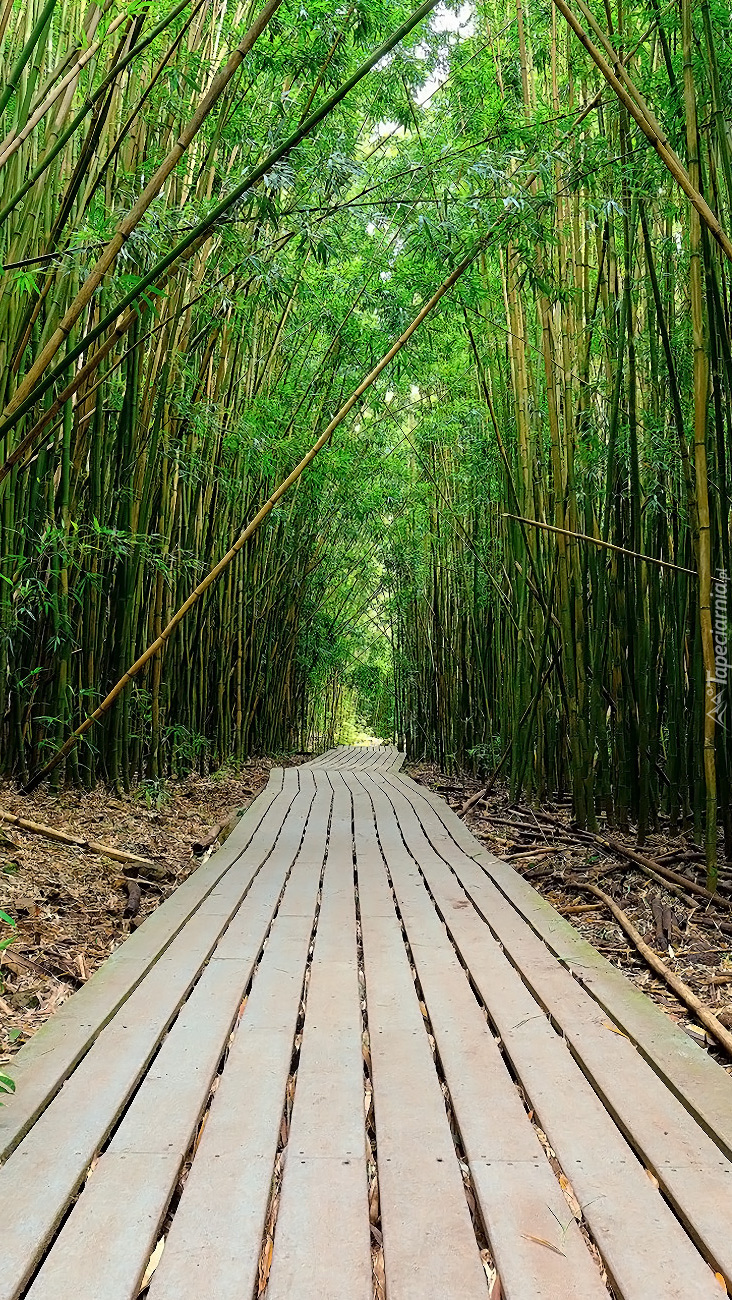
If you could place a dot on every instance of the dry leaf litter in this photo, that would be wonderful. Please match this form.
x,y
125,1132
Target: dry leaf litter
x,y
70,906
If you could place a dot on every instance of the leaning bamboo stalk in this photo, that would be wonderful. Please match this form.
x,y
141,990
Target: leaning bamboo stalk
x,y
11,85
138,210
682,990
649,128
14,143
87,107
92,846
137,108
261,515
82,375
26,395
597,541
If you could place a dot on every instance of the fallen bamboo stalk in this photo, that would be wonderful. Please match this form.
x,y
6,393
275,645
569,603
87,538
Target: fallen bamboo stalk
x,y
198,848
703,918
545,850
221,832
682,990
92,846
656,870
686,899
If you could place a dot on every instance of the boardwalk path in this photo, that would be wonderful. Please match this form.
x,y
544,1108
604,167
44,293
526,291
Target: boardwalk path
x,y
352,951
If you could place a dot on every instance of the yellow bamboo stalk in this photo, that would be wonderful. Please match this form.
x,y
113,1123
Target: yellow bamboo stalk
x,y
701,383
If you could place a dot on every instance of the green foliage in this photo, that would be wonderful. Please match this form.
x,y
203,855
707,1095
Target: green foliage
x,y
387,594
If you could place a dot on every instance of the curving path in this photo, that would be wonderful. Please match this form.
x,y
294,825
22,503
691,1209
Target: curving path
x,y
354,1035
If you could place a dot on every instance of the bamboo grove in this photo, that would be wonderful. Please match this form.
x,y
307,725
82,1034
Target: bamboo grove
x,y
587,668
514,551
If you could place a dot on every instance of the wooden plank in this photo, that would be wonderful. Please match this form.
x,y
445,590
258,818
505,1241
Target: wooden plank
x,y
43,1064
643,1245
692,1172
140,1169
325,1179
702,1085
321,759
125,1199
46,1169
214,1243
429,1244
519,1196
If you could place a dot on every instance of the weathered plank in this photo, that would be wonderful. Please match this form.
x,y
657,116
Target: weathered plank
x,y
692,1075
325,1179
44,1172
520,1199
145,1039
692,1172
42,1065
643,1245
214,1243
429,1243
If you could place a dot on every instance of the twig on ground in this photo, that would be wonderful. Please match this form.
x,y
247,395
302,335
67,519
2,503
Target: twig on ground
x,y
649,865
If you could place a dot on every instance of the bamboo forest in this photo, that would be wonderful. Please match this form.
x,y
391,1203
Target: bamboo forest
x,y
368,371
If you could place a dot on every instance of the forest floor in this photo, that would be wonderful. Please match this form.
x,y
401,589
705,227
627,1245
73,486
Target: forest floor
x,y
549,857
69,904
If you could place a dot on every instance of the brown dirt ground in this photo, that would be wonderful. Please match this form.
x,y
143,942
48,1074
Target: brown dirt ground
x,y
68,903
701,955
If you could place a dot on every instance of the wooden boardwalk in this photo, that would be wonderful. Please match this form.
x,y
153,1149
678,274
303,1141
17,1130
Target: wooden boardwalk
x,y
351,1026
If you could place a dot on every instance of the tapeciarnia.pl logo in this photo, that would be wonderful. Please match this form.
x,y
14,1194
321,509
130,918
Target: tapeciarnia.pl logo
x,y
717,684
